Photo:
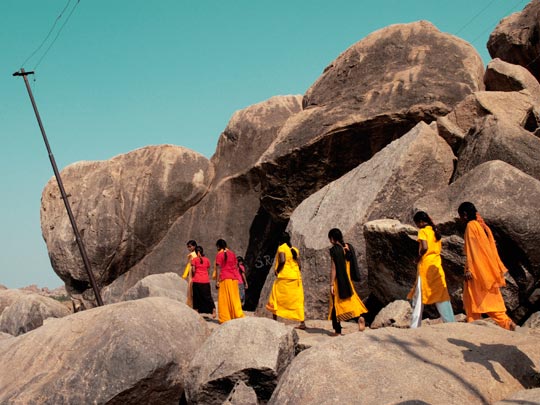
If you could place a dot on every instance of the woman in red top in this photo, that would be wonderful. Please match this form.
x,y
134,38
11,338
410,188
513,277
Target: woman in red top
x,y
202,295
229,304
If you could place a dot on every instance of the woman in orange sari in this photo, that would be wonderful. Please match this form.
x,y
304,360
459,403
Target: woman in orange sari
x,y
344,302
484,271
229,304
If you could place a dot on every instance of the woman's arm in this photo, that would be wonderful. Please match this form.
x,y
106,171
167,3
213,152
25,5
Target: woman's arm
x,y
281,262
422,249
332,277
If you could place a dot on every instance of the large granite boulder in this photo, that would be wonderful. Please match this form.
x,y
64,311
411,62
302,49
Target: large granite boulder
x,y
123,207
385,186
131,352
397,314
8,296
509,201
498,139
533,321
28,312
373,93
231,208
516,40
452,363
253,350
503,76
522,397
169,285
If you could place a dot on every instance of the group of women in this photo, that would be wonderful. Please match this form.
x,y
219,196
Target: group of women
x,y
484,275
229,273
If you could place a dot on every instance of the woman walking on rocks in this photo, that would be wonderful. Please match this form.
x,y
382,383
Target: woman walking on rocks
x,y
287,296
191,245
229,305
344,302
484,271
202,295
430,286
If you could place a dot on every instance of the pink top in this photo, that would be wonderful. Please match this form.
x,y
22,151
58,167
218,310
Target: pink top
x,y
201,270
228,269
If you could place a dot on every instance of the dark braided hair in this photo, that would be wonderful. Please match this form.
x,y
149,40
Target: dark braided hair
x,y
221,244
286,238
336,235
423,216
469,209
191,243
199,249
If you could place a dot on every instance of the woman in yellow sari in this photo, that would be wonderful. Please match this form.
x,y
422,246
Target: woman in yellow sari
x,y
430,286
287,296
344,302
191,245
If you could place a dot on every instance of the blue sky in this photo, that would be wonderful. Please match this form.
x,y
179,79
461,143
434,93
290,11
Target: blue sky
x,y
126,74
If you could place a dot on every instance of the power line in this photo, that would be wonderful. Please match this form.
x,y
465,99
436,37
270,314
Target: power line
x,y
51,30
475,16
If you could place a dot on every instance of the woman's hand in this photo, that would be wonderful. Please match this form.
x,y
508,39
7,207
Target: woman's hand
x,y
468,275
217,284
332,289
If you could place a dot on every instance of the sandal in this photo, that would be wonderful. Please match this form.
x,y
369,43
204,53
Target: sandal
x,y
302,326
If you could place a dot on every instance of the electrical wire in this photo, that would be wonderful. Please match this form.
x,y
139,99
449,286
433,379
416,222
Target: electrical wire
x,y
51,30
474,17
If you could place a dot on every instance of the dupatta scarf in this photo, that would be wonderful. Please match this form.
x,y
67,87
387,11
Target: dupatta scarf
x,y
344,289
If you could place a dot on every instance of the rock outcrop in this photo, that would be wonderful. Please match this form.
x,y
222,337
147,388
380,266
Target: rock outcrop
x,y
503,76
373,93
8,296
397,314
385,186
123,207
516,39
131,352
497,139
169,285
262,351
29,312
460,363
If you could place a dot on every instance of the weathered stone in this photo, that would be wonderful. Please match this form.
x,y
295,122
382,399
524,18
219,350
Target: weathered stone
x,y
497,139
509,201
169,285
460,363
231,209
373,93
385,186
391,249
533,321
511,107
516,39
397,314
450,132
9,296
5,336
123,207
242,395
262,350
522,397
503,76
130,352
28,312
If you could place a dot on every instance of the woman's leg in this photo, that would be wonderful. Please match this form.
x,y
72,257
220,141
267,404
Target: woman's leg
x,y
446,311
418,306
335,324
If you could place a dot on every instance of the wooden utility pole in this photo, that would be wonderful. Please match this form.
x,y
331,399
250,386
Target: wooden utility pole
x,y
78,238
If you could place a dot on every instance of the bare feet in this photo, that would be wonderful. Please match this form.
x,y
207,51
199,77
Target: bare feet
x,y
213,314
361,324
335,334
302,326
513,326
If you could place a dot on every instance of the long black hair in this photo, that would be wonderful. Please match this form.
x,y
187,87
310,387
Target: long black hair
x,y
199,249
221,244
468,209
286,238
423,216
191,243
336,235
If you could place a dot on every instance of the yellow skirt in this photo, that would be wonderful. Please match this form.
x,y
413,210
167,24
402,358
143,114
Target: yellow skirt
x,y
229,304
347,308
287,299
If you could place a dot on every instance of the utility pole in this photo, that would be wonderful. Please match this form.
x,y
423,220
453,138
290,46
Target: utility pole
x,y
78,238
